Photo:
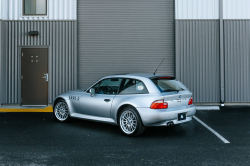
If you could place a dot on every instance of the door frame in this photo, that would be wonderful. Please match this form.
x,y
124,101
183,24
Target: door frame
x,y
19,67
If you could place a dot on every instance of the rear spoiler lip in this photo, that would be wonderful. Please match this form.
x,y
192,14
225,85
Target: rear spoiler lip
x,y
162,77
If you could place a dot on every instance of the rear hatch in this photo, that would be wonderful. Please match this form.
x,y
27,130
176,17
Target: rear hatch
x,y
174,92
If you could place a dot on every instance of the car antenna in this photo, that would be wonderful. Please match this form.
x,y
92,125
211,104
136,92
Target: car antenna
x,y
159,66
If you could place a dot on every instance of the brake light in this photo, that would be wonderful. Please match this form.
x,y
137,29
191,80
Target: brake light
x,y
159,104
190,101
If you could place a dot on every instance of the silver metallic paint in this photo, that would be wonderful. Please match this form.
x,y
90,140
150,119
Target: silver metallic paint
x,y
95,108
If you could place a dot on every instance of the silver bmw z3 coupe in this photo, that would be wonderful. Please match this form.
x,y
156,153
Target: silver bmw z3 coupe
x,y
132,101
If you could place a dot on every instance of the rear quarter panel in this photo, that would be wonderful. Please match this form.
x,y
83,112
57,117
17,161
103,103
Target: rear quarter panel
x,y
135,100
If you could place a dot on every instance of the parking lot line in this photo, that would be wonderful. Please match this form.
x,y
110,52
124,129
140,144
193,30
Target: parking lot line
x,y
213,131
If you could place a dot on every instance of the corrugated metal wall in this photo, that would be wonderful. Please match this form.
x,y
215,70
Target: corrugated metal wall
x,y
56,10
237,60
117,37
196,9
236,9
60,36
197,58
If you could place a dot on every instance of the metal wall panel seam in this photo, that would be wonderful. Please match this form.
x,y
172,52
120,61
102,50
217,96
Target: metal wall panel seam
x,y
222,65
177,66
16,65
247,59
49,30
75,58
60,57
63,59
1,59
69,51
66,60
52,38
8,62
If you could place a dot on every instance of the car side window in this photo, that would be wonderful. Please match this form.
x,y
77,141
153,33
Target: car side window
x,y
109,86
95,86
132,86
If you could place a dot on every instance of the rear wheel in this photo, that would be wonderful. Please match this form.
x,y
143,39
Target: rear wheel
x,y
61,111
130,122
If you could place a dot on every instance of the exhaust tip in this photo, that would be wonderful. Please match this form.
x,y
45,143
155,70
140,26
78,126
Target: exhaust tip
x,y
170,123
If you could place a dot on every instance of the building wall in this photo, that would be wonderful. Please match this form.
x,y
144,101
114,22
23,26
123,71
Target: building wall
x,y
197,48
59,36
197,24
118,37
197,58
236,9
56,10
209,9
196,9
237,60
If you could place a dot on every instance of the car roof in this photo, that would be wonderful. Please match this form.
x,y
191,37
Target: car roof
x,y
145,75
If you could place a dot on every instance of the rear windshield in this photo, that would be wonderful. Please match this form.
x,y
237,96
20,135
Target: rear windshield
x,y
168,85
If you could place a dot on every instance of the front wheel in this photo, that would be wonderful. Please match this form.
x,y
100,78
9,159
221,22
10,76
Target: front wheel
x,y
61,111
130,122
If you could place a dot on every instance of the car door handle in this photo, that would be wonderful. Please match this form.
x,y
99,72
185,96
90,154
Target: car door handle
x,y
106,100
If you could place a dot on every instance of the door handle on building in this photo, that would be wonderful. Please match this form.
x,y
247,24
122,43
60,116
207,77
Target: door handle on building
x,y
46,76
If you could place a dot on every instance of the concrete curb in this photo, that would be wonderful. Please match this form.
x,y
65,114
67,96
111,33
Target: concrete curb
x,y
26,109
207,108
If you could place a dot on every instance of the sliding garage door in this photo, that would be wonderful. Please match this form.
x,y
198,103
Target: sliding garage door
x,y
124,36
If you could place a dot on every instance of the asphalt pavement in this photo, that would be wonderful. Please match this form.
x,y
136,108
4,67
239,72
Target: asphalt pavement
x,y
38,139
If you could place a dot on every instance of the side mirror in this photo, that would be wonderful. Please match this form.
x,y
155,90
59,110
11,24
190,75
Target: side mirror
x,y
92,92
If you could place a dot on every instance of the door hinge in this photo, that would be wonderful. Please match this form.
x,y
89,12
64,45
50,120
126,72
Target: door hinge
x,y
21,77
22,54
21,100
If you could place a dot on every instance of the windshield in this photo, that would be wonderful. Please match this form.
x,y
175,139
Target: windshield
x,y
168,85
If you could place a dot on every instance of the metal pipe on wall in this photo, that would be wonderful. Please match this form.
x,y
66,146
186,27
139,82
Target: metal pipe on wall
x,y
222,65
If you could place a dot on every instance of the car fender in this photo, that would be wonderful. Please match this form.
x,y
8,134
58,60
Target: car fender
x,y
135,100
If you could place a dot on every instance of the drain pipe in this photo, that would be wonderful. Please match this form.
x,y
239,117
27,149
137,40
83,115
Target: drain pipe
x,y
222,65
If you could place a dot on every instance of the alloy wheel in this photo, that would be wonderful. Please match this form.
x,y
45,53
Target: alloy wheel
x,y
128,122
61,111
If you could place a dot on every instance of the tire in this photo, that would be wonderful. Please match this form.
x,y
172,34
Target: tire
x,y
61,111
130,122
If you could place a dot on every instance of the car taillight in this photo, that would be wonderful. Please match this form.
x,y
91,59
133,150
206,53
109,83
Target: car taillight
x,y
159,104
190,101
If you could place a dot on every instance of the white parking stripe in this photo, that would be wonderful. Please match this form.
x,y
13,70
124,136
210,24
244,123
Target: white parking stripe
x,y
209,128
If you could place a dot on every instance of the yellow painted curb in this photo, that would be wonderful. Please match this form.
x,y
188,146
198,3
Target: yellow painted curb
x,y
47,109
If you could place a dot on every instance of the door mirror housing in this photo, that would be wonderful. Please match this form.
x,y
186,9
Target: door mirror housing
x,y
92,92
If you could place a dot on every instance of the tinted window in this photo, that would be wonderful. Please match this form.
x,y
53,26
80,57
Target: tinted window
x,y
131,86
35,7
168,85
108,86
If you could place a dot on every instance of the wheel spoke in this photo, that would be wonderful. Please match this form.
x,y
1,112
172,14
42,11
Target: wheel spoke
x,y
128,121
61,111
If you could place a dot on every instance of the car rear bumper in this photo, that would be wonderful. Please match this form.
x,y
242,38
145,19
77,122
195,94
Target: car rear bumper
x,y
160,117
